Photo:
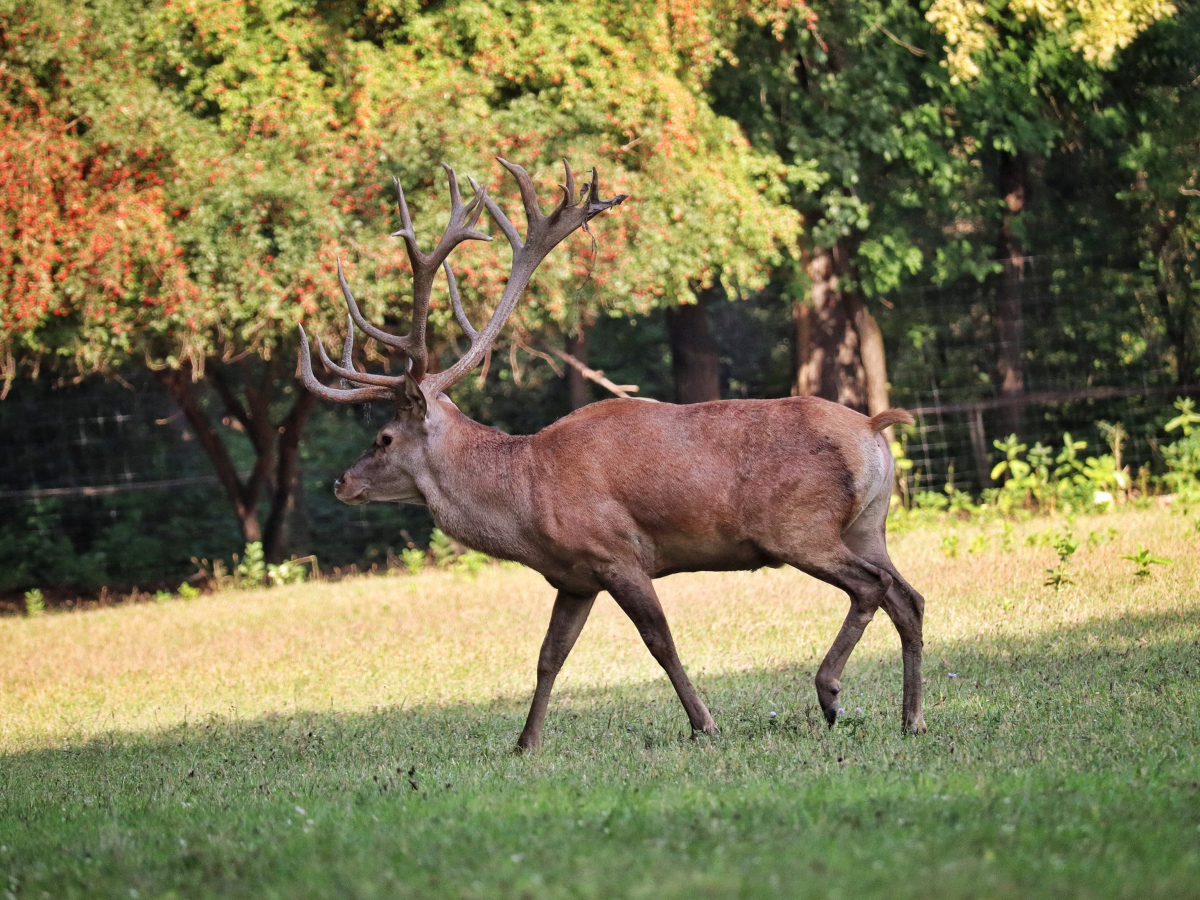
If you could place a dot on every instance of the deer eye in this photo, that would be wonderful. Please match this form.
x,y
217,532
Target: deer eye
x,y
384,440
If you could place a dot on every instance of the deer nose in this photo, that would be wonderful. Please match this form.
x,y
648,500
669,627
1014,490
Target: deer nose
x,y
337,484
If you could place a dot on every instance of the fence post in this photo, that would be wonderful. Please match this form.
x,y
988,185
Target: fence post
x,y
979,446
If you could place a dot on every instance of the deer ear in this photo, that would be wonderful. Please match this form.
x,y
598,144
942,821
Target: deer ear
x,y
412,402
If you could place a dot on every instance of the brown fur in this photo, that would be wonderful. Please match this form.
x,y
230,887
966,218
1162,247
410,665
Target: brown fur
x,y
890,417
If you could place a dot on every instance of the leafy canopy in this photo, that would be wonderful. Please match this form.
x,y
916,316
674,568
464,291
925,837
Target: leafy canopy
x,y
210,160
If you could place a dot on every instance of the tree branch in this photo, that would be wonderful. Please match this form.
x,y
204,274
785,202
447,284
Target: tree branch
x,y
621,390
178,383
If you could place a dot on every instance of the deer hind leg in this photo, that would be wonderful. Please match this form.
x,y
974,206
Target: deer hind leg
x,y
906,608
566,622
866,585
635,595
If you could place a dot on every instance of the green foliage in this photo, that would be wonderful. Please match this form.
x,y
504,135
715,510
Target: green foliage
x,y
252,568
35,602
448,554
251,571
1187,419
471,563
441,548
413,559
975,32
1183,455
1059,576
290,571
270,134
31,547
1143,559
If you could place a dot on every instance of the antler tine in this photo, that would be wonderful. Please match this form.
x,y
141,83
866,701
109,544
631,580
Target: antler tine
x,y
463,220
568,190
595,205
501,220
405,218
391,340
357,395
533,209
456,301
543,233
348,348
348,374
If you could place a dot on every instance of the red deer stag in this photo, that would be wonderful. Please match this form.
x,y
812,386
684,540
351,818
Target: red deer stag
x,y
623,491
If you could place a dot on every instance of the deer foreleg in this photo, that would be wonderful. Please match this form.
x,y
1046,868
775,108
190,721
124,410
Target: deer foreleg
x,y
566,621
635,595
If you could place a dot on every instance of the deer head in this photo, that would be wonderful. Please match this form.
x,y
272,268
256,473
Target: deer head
x,y
390,469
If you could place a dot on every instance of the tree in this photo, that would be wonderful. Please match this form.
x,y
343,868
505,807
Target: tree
x,y
1022,74
1151,132
845,100
911,153
247,148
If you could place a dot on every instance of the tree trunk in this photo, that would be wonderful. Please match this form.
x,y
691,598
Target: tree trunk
x,y
579,390
1177,317
695,360
1007,318
874,360
180,386
829,345
286,476
276,446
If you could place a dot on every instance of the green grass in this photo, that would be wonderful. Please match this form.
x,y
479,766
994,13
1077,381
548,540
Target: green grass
x,y
354,739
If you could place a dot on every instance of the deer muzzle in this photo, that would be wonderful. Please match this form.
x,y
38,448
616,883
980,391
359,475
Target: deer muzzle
x,y
349,491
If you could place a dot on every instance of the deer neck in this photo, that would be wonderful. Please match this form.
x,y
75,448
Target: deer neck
x,y
477,486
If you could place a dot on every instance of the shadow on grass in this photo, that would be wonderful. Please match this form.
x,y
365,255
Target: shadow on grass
x,y
1058,765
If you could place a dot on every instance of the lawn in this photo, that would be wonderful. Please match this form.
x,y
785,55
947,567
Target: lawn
x,y
354,739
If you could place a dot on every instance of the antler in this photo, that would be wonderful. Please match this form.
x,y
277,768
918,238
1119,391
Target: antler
x,y
461,227
544,232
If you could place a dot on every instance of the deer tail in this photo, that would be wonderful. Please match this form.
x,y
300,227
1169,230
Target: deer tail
x,y
890,417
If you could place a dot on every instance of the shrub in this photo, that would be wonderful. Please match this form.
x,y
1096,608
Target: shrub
x,y
35,603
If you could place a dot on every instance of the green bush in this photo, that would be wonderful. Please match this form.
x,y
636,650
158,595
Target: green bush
x,y
35,603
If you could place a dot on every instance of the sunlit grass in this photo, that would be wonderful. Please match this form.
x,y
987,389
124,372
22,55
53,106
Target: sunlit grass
x,y
166,747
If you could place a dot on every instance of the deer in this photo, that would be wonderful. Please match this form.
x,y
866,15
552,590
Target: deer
x,y
624,491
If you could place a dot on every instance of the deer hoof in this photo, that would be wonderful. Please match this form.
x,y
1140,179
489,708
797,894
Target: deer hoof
x,y
915,727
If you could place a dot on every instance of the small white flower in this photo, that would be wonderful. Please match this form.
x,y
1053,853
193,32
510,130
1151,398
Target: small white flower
x,y
858,709
300,810
951,674
772,714
517,857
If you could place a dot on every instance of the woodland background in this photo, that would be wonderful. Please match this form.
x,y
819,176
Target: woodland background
x,y
986,211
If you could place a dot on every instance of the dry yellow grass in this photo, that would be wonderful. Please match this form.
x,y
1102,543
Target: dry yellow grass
x,y
440,638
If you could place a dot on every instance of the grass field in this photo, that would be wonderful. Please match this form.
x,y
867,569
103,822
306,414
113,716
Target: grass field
x,y
354,739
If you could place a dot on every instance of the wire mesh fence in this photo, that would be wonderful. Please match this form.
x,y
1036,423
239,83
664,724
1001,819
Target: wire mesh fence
x,y
104,483
1091,351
